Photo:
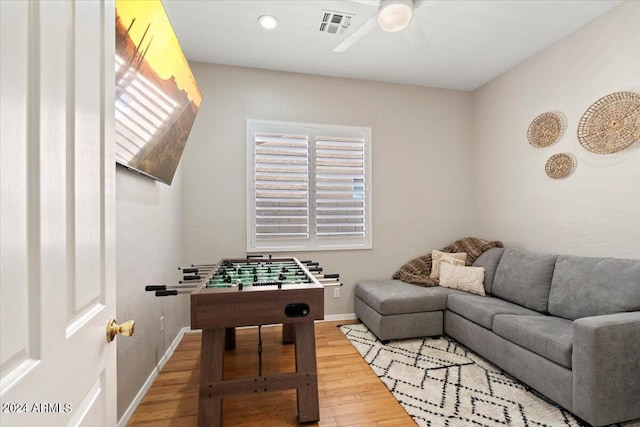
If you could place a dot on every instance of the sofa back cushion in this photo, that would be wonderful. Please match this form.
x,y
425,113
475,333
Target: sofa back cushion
x,y
583,287
524,278
489,260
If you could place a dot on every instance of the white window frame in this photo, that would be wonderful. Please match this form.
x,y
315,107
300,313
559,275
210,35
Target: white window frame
x,y
312,243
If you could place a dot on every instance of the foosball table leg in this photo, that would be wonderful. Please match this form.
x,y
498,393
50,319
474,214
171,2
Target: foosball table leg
x,y
308,408
211,371
288,333
229,338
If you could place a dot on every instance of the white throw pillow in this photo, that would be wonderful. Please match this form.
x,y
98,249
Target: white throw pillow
x,y
467,279
438,257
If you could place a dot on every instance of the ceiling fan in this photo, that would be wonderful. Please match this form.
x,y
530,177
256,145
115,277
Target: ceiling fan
x,y
391,16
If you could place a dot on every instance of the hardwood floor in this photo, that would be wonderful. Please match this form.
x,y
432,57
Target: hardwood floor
x,y
350,394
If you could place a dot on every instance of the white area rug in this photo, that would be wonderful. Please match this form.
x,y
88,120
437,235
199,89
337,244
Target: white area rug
x,y
441,383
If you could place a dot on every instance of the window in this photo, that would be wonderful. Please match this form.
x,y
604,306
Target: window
x,y
308,186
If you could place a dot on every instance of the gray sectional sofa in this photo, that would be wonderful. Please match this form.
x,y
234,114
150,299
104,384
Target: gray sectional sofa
x,y
567,326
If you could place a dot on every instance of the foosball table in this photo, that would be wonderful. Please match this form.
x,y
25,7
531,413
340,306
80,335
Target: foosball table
x,y
255,291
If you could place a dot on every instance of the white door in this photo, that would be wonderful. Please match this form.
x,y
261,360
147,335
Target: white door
x,y
57,212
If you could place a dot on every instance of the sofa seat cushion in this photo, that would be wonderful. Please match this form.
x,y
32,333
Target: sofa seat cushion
x,y
524,278
482,310
550,337
398,297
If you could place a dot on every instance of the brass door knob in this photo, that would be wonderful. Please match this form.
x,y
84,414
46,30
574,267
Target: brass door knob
x,y
113,329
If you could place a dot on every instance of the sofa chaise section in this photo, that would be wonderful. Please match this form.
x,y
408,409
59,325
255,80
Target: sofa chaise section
x,y
569,327
393,309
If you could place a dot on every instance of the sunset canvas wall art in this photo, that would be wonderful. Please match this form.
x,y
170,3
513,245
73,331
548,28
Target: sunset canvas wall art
x,y
157,97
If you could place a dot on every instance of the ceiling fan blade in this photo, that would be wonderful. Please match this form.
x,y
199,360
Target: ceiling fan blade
x,y
423,3
415,35
358,34
373,3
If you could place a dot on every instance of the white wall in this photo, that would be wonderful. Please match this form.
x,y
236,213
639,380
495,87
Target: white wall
x,y
148,244
422,166
594,212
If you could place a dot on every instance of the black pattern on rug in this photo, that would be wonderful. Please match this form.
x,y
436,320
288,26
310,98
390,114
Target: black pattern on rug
x,y
439,382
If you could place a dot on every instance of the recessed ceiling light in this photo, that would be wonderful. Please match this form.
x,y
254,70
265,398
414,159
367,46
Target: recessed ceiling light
x,y
268,22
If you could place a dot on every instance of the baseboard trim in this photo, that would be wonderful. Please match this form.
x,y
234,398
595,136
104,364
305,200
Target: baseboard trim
x,y
167,355
154,373
333,317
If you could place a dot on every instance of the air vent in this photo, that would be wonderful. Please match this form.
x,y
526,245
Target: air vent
x,y
333,22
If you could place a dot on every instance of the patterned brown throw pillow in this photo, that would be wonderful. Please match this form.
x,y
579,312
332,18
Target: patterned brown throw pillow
x,y
439,257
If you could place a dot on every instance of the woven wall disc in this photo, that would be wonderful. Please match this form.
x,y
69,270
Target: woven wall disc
x,y
560,165
611,124
545,129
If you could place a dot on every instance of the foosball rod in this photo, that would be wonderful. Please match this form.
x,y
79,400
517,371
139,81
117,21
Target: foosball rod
x,y
323,281
328,280
242,264
172,292
164,290
310,263
250,268
165,287
260,259
192,274
327,276
195,269
330,284
190,279
269,259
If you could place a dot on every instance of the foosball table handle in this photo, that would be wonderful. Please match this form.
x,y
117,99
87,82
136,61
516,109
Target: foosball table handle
x,y
166,293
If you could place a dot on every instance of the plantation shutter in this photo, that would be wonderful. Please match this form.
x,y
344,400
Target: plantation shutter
x,y
340,188
281,186
308,186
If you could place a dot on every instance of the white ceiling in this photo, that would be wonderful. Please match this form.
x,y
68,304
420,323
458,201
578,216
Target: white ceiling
x,y
471,41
